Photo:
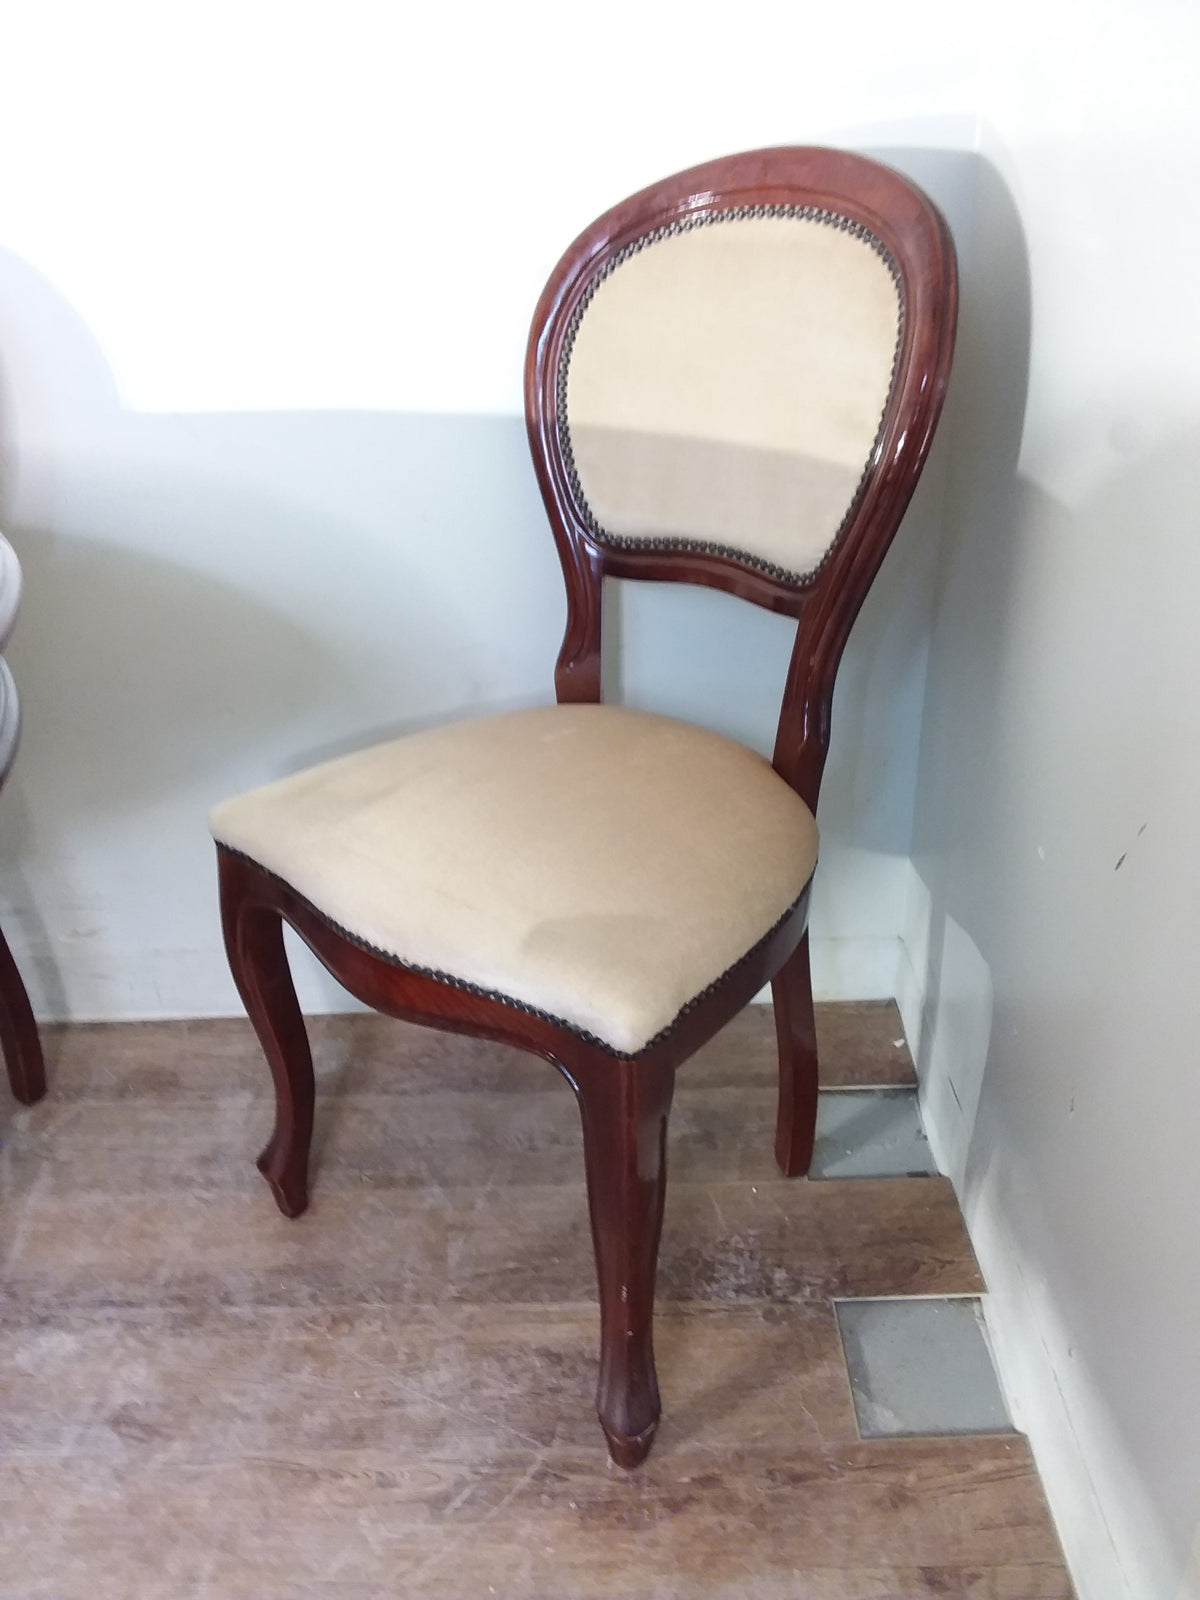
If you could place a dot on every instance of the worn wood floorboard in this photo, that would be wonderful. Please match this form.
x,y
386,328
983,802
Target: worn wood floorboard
x,y
391,1396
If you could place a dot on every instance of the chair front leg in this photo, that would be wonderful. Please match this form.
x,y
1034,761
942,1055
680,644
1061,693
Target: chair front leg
x,y
258,961
18,1033
796,1031
624,1107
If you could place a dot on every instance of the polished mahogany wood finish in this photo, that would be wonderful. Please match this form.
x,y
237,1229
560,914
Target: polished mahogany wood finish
x,y
796,1032
624,1102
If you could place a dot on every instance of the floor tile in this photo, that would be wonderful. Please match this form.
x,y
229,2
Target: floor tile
x,y
920,1367
870,1133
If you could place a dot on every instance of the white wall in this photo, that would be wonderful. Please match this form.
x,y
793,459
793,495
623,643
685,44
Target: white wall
x,y
1054,923
265,278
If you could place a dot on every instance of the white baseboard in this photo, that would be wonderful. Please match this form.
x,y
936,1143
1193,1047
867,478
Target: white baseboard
x,y
1089,1491
854,969
912,964
849,969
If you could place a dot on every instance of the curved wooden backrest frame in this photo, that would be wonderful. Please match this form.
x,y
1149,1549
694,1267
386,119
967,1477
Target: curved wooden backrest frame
x,y
826,603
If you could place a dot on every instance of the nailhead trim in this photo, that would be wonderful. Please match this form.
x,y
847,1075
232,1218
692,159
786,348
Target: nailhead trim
x,y
467,987
833,219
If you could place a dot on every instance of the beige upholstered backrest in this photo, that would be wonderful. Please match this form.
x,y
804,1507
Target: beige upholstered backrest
x,y
723,385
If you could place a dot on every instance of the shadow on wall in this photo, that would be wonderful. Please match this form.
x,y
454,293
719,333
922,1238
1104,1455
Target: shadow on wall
x,y
974,630
138,659
125,701
211,601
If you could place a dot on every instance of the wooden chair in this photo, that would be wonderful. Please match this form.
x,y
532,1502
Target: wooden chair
x,y
18,1031
732,379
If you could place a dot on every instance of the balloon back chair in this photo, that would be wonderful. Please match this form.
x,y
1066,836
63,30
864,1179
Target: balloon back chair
x,y
732,379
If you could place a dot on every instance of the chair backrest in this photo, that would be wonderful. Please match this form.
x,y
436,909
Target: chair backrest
x,y
733,379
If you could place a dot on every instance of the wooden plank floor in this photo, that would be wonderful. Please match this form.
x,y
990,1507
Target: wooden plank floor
x,y
392,1396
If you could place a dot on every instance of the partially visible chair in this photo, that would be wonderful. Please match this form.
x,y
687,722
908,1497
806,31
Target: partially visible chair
x,y
18,1031
732,379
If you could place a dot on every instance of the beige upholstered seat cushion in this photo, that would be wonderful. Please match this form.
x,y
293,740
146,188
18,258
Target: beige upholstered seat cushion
x,y
602,865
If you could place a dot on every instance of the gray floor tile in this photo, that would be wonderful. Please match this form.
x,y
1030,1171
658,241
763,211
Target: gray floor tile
x,y
870,1133
920,1367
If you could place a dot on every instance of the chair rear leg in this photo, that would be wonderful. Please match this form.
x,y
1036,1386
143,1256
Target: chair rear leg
x,y
795,1027
258,960
624,1108
18,1033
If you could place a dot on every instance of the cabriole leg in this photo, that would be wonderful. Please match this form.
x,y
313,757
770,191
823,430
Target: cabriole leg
x,y
254,944
796,1029
625,1108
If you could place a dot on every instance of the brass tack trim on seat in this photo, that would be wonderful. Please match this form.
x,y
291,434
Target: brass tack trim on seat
x,y
467,987
832,219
